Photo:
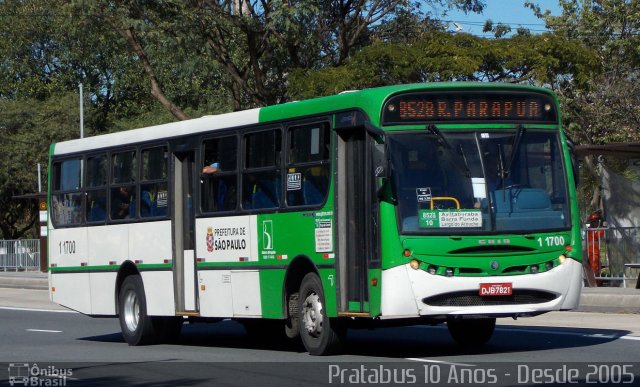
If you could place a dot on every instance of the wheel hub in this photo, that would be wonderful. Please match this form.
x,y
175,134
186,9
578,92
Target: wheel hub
x,y
131,311
312,314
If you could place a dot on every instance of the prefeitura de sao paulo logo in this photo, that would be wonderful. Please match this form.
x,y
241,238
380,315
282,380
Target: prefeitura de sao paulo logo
x,y
209,239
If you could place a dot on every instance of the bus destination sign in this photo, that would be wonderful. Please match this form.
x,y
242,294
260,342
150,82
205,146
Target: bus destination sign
x,y
469,107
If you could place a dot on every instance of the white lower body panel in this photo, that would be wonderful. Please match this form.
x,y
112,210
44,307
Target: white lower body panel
x,y
403,290
71,290
158,290
103,293
230,293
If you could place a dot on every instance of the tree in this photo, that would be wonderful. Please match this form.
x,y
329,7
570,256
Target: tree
x,y
27,127
144,62
605,108
256,44
441,56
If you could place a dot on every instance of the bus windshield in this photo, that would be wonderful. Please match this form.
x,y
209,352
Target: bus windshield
x,y
480,182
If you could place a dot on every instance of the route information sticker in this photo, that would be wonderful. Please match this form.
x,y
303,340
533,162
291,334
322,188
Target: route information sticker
x,y
450,218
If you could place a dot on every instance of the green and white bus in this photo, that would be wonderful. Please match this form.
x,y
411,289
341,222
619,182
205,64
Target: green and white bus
x,y
413,204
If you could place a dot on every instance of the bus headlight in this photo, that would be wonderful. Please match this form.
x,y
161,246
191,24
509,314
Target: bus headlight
x,y
415,264
562,258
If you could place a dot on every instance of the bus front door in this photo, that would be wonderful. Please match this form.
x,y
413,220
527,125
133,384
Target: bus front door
x,y
353,216
183,218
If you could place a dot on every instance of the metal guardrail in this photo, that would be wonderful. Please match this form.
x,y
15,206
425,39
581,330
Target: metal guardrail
x,y
20,255
615,247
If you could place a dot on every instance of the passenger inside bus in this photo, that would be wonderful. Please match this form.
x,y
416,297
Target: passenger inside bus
x,y
153,200
218,192
97,206
211,168
315,185
266,194
122,203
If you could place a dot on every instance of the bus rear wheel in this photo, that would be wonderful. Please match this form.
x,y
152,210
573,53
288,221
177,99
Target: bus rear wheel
x,y
471,332
137,327
320,334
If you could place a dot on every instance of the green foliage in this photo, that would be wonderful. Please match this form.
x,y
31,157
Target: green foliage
x,y
27,127
440,56
499,30
606,106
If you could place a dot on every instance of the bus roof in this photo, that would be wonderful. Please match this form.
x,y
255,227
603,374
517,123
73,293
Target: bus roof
x,y
369,100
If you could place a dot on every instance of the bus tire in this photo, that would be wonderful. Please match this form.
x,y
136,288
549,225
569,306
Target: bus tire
x,y
471,332
291,323
320,334
137,327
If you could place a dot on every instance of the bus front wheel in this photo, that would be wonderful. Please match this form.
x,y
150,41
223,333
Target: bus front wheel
x,y
471,332
320,334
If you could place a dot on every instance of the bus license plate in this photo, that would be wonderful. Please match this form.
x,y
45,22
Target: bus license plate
x,y
502,289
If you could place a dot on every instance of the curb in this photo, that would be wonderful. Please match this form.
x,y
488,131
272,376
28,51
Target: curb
x,y
36,281
621,300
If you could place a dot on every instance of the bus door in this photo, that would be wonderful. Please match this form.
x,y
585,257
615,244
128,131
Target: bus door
x,y
183,221
355,234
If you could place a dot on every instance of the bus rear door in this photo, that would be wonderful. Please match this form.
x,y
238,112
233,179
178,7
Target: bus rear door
x,y
184,174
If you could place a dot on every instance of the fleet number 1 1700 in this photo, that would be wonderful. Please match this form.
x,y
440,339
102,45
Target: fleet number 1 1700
x,y
551,241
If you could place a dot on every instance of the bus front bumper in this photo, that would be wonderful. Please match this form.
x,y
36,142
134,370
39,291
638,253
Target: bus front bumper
x,y
412,293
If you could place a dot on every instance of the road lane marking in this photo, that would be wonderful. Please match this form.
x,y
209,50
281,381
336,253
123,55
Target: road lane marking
x,y
36,310
551,332
586,335
43,330
440,362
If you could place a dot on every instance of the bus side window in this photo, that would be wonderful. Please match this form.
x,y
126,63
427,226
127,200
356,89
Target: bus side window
x,y
123,191
153,187
124,167
67,196
261,184
96,182
308,167
218,185
96,205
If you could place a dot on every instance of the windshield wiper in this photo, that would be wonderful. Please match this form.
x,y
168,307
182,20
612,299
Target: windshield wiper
x,y
502,172
464,159
443,142
514,149
436,132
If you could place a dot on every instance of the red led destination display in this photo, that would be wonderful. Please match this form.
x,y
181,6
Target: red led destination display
x,y
469,107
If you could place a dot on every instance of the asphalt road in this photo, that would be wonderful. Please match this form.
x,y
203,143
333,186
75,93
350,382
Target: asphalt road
x,y
222,354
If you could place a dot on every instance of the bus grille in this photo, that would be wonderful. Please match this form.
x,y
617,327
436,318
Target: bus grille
x,y
472,298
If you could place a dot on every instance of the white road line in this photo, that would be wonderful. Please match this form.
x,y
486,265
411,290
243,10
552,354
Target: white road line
x,y
43,330
588,335
550,332
36,310
440,362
